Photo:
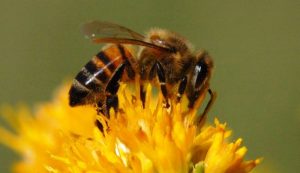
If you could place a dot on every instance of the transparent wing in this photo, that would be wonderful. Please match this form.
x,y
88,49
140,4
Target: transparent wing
x,y
101,29
106,32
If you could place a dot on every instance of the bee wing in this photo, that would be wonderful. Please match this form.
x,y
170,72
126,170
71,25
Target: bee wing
x,y
101,29
106,32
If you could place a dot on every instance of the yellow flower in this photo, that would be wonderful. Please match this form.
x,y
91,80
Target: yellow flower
x,y
57,138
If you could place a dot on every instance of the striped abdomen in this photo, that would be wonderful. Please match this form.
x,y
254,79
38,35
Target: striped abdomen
x,y
89,84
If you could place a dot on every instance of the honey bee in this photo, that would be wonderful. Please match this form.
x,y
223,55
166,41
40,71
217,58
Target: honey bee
x,y
164,58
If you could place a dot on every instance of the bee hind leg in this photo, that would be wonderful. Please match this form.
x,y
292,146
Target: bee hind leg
x,y
112,88
100,107
99,126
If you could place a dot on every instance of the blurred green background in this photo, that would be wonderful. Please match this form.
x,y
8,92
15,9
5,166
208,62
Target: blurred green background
x,y
255,46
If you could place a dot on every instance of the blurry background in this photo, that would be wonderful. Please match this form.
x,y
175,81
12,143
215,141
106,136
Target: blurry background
x,y
255,46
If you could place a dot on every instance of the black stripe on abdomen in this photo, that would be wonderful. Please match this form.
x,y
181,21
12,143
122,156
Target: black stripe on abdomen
x,y
82,77
91,67
106,60
102,76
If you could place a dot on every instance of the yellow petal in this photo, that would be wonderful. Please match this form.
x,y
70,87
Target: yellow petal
x,y
58,138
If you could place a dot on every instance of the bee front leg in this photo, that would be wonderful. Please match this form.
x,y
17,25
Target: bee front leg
x,y
112,88
202,117
199,81
162,82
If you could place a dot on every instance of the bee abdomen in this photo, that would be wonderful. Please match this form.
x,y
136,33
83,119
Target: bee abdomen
x,y
97,72
87,80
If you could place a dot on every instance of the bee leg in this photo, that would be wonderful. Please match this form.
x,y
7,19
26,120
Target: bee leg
x,y
99,108
200,81
162,82
202,117
181,88
112,89
112,101
129,69
143,95
99,126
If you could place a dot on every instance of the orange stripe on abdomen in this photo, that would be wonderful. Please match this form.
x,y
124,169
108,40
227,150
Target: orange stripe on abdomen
x,y
115,55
